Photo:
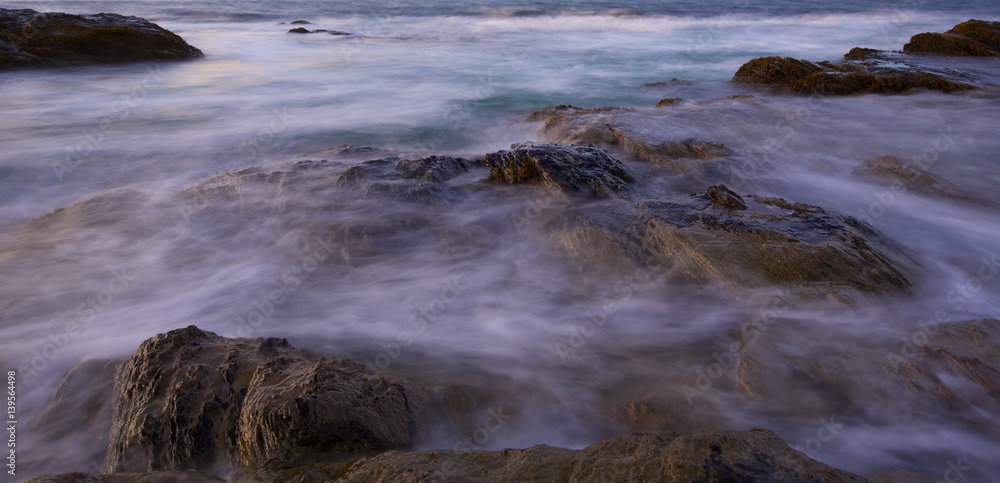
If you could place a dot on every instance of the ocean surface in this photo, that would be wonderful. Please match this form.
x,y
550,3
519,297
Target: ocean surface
x,y
461,77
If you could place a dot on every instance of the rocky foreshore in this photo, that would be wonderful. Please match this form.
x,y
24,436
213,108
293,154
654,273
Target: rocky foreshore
x,y
190,403
872,71
35,39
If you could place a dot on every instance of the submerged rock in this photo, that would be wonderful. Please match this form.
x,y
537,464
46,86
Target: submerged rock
x,y
888,169
976,38
33,39
561,167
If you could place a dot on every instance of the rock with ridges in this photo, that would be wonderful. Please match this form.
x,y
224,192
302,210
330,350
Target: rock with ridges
x,y
562,167
888,169
977,38
189,399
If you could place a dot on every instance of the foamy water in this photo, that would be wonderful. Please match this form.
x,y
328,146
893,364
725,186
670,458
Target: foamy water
x,y
498,306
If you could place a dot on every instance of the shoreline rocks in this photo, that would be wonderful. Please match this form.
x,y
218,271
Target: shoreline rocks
x,y
191,400
870,71
34,39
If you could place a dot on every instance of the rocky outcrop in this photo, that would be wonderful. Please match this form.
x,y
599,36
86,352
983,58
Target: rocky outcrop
x,y
561,167
189,399
849,77
32,39
977,38
747,456
757,455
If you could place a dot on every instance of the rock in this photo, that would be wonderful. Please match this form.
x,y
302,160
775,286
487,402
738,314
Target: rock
x,y
690,164
724,197
151,477
775,70
32,39
947,44
299,30
772,242
888,169
746,456
987,33
845,78
860,53
669,101
189,399
561,167
959,367
977,38
300,22
419,180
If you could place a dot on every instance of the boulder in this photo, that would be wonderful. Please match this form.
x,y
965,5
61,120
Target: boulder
x,y
33,39
711,238
189,399
977,38
561,167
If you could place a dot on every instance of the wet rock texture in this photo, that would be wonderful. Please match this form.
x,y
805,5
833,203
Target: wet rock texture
x,y
865,71
849,77
973,38
33,39
561,167
189,399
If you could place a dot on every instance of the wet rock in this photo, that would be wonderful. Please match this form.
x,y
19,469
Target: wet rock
x,y
724,197
700,162
669,101
420,180
888,169
561,167
299,30
300,22
958,367
976,38
861,53
33,39
189,399
845,78
947,44
746,456
151,477
771,242
775,70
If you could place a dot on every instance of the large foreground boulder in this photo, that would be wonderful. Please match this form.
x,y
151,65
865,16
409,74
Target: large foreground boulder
x,y
32,39
189,399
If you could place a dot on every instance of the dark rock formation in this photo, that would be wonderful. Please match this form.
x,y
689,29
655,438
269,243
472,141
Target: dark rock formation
x,y
849,77
751,456
299,30
747,456
888,169
189,399
32,39
561,167
972,38
669,101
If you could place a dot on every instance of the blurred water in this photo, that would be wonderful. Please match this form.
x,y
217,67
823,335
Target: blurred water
x,y
459,78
